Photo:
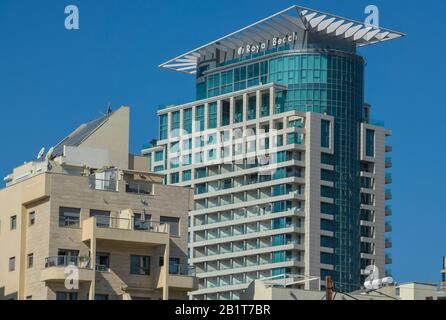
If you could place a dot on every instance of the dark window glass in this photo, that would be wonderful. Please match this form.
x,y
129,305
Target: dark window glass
x,y
174,224
69,217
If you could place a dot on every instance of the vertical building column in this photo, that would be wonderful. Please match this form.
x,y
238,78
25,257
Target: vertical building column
x,y
206,116
91,294
231,110
218,113
166,267
245,108
272,100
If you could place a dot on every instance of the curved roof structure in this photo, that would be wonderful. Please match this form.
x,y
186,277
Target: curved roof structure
x,y
282,24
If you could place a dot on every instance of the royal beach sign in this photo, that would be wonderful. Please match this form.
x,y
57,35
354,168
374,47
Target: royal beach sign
x,y
274,42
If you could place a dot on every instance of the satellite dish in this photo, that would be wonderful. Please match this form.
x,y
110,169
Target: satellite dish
x,y
49,154
40,154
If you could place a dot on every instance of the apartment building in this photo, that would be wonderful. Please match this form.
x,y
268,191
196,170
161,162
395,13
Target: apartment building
x,y
88,221
288,168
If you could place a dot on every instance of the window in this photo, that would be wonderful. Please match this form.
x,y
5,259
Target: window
x,y
140,265
225,113
71,296
327,242
159,156
187,175
102,262
327,192
370,143
174,265
101,297
32,218
159,168
252,107
11,264
30,260
187,120
175,118
69,217
199,118
13,223
175,178
174,224
238,111
212,117
164,127
325,134
102,218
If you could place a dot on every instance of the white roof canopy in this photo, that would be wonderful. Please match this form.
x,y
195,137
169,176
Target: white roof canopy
x,y
282,24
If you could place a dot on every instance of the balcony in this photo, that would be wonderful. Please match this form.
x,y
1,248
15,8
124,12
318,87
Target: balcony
x,y
125,230
388,227
388,211
388,194
55,268
388,243
388,259
389,148
388,179
102,184
389,163
180,277
138,187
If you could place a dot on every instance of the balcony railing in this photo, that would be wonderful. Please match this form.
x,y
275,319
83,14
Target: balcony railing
x,y
182,270
388,194
388,162
65,261
389,179
102,184
388,211
130,224
138,187
388,226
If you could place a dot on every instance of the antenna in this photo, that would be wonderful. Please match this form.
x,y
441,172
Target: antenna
x,y
49,154
40,154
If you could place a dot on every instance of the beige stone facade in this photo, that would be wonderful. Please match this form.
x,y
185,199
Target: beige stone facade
x,y
113,226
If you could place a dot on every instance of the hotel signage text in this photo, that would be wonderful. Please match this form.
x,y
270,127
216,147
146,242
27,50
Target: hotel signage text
x,y
275,42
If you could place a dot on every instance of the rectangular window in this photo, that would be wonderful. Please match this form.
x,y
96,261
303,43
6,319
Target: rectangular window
x,y
225,113
327,175
68,296
69,217
164,127
30,260
13,223
175,122
140,265
32,218
327,192
327,258
370,143
187,120
212,117
199,118
265,106
252,107
142,221
238,111
11,264
159,168
175,178
187,175
174,224
102,262
327,242
327,225
100,297
325,134
159,156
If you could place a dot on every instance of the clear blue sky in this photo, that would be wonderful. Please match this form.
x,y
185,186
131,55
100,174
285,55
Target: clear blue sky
x,y
52,79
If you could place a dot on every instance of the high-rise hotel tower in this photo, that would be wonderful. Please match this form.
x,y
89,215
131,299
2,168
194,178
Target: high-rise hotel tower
x,y
289,171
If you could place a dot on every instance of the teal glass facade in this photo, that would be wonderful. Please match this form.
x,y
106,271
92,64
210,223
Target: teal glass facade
x,y
323,81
